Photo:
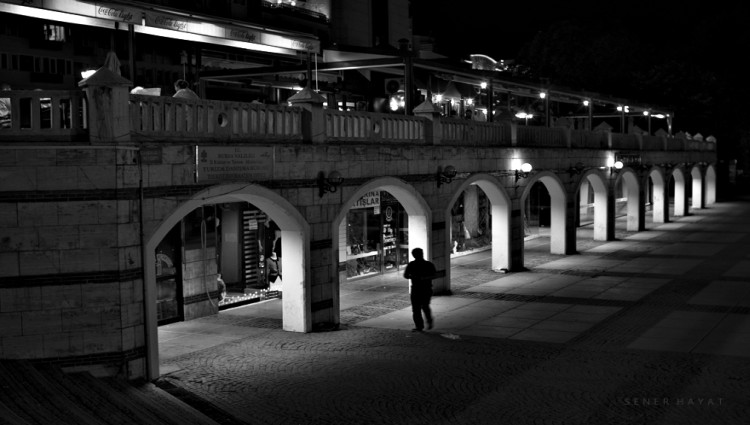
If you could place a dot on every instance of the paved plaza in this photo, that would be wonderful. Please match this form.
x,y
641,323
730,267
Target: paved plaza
x,y
651,328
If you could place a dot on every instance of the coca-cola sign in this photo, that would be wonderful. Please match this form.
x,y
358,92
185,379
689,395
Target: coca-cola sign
x,y
121,14
170,22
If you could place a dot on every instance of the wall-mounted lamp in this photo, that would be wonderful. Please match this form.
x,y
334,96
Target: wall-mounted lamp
x,y
446,175
330,183
523,172
576,169
614,166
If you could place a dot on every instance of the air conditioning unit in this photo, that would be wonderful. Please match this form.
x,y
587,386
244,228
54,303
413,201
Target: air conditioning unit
x,y
394,85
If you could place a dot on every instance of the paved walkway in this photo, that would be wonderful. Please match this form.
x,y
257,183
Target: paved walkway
x,y
651,328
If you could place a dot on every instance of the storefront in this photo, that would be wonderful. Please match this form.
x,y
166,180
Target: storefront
x,y
377,236
215,259
471,222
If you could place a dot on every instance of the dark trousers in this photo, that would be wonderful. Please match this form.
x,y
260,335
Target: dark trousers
x,y
420,302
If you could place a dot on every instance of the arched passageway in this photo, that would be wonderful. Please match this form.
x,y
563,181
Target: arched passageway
x,y
295,243
631,192
416,234
557,208
680,194
594,202
499,212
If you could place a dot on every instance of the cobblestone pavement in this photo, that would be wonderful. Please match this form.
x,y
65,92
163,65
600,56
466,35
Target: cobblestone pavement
x,y
359,375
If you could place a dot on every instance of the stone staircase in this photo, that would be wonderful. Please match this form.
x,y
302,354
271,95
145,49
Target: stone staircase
x,y
43,394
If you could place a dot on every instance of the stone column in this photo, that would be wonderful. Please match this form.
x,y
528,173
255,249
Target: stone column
x,y
108,106
433,130
313,119
517,238
611,210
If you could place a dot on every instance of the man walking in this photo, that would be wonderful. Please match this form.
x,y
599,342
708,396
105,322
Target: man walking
x,y
421,272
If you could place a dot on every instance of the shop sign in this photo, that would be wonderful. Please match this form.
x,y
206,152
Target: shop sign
x,y
151,155
229,32
118,13
242,34
388,213
172,22
628,158
289,43
222,163
110,12
369,200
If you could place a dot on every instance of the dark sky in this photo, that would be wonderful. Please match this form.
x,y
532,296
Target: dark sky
x,y
500,28
684,54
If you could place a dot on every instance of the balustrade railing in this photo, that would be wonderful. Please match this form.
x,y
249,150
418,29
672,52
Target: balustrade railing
x,y
625,141
474,133
174,118
676,144
589,139
541,137
62,115
43,114
358,126
653,143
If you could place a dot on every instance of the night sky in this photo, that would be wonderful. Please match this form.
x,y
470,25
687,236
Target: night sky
x,y
686,56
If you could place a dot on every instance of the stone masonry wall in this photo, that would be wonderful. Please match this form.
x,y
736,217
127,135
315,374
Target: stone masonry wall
x,y
70,279
71,288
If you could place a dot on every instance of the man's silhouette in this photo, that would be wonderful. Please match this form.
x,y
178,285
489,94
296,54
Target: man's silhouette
x,y
421,272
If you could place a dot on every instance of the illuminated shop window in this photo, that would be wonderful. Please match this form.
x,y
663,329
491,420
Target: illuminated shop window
x,y
54,32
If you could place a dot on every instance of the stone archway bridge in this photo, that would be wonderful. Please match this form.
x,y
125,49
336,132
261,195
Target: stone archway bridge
x,y
89,187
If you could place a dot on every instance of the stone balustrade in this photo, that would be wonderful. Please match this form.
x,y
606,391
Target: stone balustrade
x,y
62,115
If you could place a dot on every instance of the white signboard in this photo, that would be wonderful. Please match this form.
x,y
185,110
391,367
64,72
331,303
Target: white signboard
x,y
242,163
369,200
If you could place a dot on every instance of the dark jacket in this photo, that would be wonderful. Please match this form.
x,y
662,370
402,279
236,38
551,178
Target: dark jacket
x,y
421,272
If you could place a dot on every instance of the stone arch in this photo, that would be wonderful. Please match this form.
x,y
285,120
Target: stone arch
x,y
295,240
601,201
697,187
420,225
629,178
501,223
558,208
680,192
660,197
710,184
